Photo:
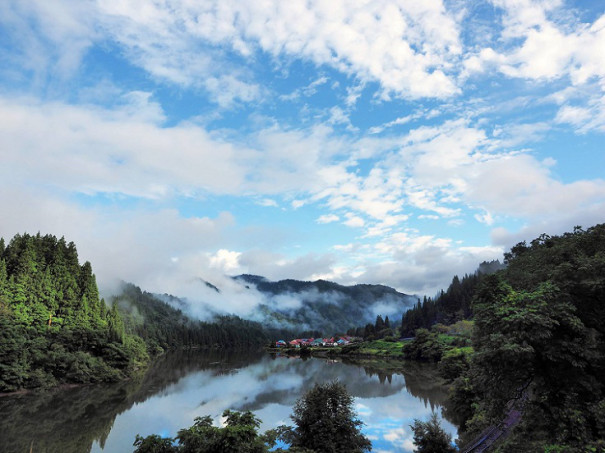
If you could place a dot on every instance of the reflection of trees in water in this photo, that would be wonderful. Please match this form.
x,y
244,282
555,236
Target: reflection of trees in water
x,y
422,381
359,383
63,421
70,420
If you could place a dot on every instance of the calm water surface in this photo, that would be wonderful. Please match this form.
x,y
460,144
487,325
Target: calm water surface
x,y
183,385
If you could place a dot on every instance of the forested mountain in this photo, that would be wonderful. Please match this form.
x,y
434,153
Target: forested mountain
x,y
55,329
539,339
164,327
53,326
324,306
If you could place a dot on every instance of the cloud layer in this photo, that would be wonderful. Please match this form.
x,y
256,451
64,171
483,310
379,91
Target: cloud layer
x,y
381,142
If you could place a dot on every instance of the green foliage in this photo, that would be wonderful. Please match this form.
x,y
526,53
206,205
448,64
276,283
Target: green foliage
x,y
425,347
325,421
154,444
540,337
238,435
429,437
431,346
387,347
455,362
449,306
53,327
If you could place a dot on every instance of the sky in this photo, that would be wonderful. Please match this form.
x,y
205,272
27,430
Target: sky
x,y
391,142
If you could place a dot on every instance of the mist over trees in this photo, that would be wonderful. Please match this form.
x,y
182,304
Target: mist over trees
x,y
165,327
322,305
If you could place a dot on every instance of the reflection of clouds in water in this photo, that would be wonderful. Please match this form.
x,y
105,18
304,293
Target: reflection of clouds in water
x,y
388,421
269,388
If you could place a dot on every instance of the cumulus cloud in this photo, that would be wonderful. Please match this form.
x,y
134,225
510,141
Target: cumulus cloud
x,y
328,218
406,48
115,143
128,152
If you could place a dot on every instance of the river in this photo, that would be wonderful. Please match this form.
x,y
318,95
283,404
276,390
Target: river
x,y
183,385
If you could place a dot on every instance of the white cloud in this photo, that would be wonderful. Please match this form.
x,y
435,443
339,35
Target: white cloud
x,y
228,90
267,202
535,42
485,218
306,91
353,220
225,260
328,218
49,40
339,116
408,48
590,116
126,151
276,266
523,187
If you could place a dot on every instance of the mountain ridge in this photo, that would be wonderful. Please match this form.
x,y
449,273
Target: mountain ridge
x,y
323,305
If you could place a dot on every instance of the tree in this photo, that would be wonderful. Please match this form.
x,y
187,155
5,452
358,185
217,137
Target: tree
x,y
524,338
379,325
429,437
326,422
154,444
239,435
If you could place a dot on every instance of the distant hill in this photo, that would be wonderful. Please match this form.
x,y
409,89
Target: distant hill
x,y
159,320
322,305
284,308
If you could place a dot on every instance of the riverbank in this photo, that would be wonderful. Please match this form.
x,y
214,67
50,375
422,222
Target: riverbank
x,y
364,349
186,384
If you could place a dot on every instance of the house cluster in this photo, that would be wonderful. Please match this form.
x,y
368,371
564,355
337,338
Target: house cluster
x,y
315,342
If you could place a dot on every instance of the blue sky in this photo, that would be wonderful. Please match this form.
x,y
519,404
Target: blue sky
x,y
391,142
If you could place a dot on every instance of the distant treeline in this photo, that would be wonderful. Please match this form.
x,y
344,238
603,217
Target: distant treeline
x,y
449,306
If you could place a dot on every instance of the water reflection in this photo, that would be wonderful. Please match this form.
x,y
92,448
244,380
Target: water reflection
x,y
183,385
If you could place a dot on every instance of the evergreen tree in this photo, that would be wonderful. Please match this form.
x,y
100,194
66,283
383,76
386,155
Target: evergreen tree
x,y
429,437
325,421
54,328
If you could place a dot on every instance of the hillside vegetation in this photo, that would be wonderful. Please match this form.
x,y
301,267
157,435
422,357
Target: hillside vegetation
x,y
539,339
55,329
53,326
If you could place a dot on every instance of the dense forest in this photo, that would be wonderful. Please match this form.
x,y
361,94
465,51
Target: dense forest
x,y
538,344
54,328
448,306
540,339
